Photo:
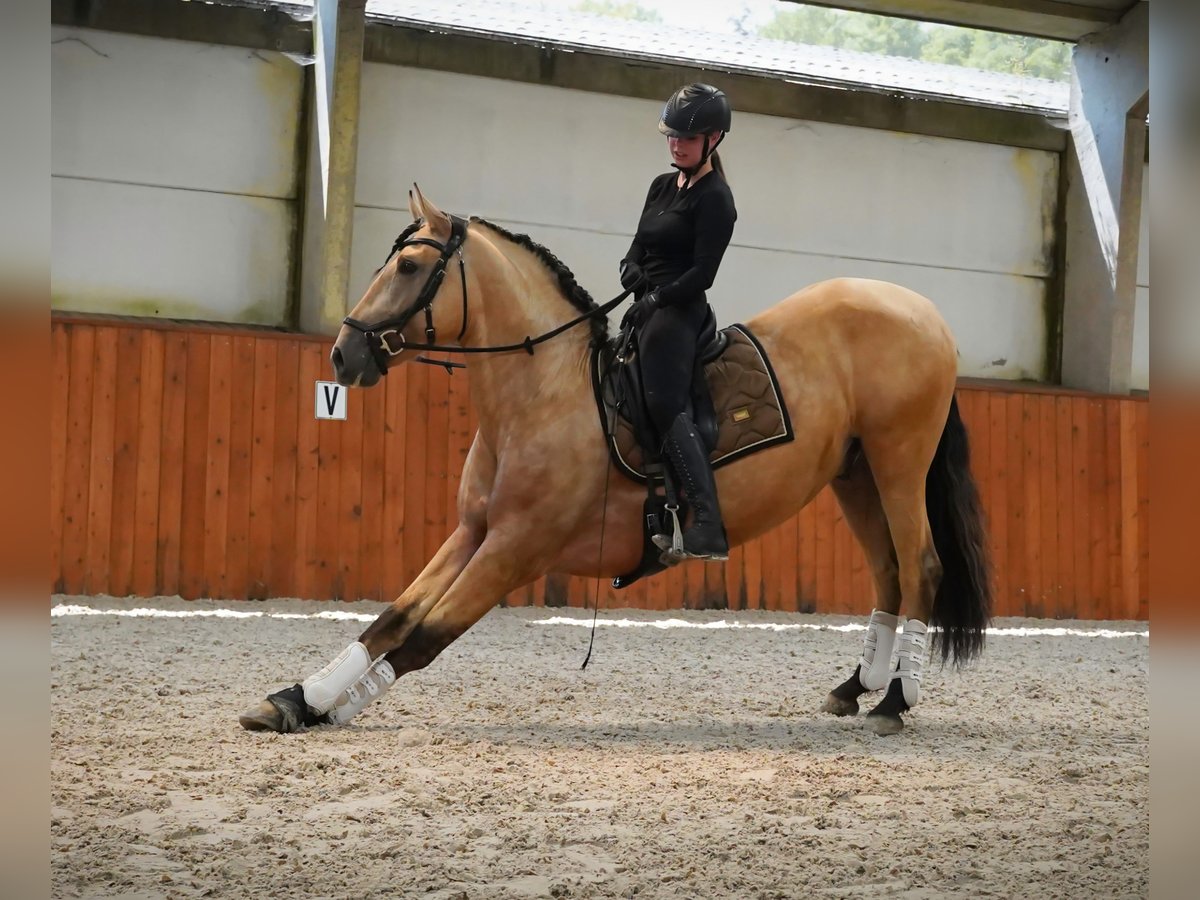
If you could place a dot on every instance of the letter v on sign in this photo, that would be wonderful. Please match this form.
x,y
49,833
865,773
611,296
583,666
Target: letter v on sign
x,y
331,400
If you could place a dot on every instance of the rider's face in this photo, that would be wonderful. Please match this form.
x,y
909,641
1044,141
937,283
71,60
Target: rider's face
x,y
686,151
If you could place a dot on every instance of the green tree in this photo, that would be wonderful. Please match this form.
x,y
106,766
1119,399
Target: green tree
x,y
617,10
887,36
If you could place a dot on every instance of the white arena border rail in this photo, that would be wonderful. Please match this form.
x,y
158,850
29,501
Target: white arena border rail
x,y
63,610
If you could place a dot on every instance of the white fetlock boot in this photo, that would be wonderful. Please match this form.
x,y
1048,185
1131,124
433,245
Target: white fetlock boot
x,y
875,667
366,690
910,660
343,688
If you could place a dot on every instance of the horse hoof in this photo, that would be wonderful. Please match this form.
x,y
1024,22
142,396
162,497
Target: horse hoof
x,y
839,707
283,712
883,724
264,717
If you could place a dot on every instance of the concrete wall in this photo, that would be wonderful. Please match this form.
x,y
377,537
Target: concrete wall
x,y
174,177
968,224
175,183
1140,369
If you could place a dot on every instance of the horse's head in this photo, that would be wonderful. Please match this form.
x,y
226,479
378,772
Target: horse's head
x,y
399,310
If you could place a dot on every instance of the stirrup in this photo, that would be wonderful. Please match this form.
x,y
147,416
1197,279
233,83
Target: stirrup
x,y
673,554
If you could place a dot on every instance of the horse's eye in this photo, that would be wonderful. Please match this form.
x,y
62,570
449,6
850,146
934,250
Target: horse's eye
x,y
407,266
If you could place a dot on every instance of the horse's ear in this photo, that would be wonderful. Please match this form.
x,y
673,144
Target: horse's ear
x,y
437,220
413,206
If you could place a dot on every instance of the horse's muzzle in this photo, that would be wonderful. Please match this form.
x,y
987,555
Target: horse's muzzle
x,y
353,363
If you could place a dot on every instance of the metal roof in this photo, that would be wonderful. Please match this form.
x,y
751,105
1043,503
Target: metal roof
x,y
1062,20
744,54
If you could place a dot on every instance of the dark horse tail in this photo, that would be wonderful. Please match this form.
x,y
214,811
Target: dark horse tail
x,y
962,606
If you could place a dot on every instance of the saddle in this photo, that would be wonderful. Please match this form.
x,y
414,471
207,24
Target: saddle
x,y
735,403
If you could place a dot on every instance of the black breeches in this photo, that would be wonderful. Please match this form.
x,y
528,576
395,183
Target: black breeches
x,y
667,350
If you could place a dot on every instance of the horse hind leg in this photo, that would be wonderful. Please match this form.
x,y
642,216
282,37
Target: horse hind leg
x,y
859,499
900,475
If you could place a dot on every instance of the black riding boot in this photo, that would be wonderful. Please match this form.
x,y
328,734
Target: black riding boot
x,y
705,538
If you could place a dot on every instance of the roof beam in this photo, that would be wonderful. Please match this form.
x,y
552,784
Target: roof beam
x,y
1053,19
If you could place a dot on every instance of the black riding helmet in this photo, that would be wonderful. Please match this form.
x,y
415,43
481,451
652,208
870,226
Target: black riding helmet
x,y
696,109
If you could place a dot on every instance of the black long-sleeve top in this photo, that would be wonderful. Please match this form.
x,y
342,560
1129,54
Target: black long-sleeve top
x,y
682,236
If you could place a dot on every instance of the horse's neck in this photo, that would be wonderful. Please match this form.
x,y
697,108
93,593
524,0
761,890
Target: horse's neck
x,y
517,297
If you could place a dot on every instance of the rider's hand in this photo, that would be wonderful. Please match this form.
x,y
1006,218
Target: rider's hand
x,y
641,309
632,275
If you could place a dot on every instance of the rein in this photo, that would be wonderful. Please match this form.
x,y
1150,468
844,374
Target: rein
x,y
378,333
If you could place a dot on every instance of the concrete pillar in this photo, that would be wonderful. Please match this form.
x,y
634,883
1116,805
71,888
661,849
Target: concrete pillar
x,y
1110,86
338,27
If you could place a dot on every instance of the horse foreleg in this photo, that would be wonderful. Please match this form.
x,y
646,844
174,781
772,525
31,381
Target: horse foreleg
x,y
358,675
858,496
497,568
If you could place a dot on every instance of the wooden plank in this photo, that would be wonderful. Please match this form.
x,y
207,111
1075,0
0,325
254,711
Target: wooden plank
x,y
1127,424
262,459
1098,499
1143,480
1019,580
1113,601
235,584
149,467
770,569
172,436
789,574
1035,540
416,409
125,461
60,399
216,471
195,467
997,478
1064,470
308,461
78,452
329,494
1098,555
100,491
1082,601
285,558
395,466
370,576
734,575
1048,508
350,499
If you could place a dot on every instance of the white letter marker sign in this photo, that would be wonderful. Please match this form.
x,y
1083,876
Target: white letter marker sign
x,y
331,400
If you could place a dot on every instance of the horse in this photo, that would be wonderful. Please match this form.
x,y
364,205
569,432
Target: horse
x,y
866,368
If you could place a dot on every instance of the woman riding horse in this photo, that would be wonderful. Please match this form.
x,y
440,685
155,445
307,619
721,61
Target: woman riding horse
x,y
871,365
683,232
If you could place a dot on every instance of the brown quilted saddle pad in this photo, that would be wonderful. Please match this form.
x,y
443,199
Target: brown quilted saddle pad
x,y
749,407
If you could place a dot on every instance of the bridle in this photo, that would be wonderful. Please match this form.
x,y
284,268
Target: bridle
x,y
377,334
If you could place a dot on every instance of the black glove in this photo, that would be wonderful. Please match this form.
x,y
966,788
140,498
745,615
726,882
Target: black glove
x,y
632,275
641,309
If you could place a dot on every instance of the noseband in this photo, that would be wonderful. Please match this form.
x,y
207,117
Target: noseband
x,y
377,334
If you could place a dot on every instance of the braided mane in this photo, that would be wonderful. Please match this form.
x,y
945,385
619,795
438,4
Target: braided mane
x,y
571,289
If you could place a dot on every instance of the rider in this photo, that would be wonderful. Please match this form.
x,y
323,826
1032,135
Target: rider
x,y
684,229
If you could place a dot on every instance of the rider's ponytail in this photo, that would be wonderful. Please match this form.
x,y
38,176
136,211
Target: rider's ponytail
x,y
718,166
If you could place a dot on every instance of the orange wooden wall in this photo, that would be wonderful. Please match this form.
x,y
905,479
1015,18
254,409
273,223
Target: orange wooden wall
x,y
187,460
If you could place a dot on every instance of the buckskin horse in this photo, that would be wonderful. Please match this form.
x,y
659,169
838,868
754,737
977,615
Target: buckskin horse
x,y
866,369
